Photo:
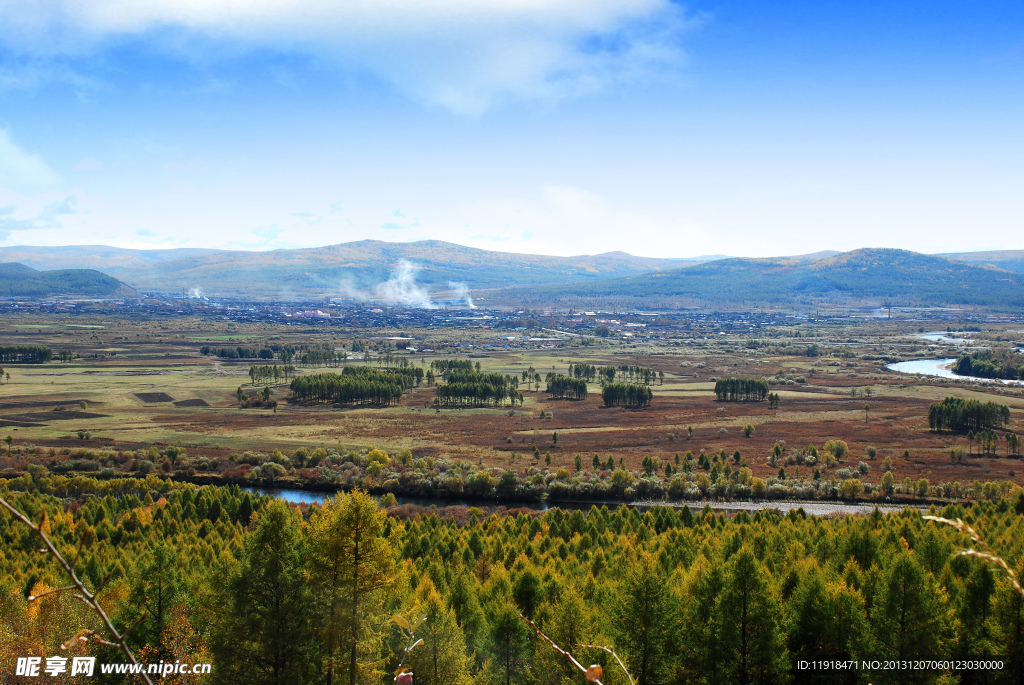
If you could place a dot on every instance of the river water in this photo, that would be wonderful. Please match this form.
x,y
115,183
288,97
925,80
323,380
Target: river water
x,y
814,508
940,369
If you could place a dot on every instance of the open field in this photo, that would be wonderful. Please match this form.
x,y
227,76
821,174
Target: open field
x,y
145,382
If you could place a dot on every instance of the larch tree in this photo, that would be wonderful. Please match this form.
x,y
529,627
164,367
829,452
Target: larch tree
x,y
353,564
441,659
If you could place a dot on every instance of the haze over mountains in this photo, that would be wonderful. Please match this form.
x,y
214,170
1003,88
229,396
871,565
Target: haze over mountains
x,y
421,273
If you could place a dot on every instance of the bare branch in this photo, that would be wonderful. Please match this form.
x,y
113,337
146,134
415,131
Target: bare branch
x,y
621,665
593,674
83,594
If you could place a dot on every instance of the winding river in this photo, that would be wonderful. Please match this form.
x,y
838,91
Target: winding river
x,y
940,368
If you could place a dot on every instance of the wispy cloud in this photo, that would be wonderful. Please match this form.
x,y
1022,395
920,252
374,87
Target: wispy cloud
x,y
48,217
21,170
464,56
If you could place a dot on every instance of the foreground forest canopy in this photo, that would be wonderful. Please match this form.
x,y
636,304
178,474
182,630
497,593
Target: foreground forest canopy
x,y
271,593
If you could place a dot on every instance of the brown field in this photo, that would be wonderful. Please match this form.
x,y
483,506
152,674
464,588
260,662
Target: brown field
x,y
144,382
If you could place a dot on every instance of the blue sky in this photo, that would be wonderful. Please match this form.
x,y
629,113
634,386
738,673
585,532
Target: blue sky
x,y
546,126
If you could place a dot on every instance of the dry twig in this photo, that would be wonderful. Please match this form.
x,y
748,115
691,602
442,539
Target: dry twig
x,y
982,554
593,673
81,593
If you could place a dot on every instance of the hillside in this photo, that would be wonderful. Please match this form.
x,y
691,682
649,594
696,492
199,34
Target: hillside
x,y
347,268
867,276
1009,260
18,280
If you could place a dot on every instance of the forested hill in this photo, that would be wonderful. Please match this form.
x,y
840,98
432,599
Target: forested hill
x,y
879,276
18,280
361,265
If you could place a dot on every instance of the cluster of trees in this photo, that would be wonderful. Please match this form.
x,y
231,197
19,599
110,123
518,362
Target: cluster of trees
x,y
587,372
471,388
742,390
442,367
239,352
987,364
354,385
271,594
259,400
25,354
266,374
959,415
626,394
630,374
560,386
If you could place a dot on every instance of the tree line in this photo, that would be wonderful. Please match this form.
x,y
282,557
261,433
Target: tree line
x,y
471,388
26,354
266,373
275,595
987,364
560,386
239,352
626,395
741,390
354,385
959,415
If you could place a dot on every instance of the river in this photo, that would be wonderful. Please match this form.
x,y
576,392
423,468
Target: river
x,y
814,508
940,368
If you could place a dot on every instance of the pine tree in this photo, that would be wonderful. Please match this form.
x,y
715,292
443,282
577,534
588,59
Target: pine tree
x,y
974,634
264,634
156,588
508,644
1007,625
907,618
827,623
643,620
752,643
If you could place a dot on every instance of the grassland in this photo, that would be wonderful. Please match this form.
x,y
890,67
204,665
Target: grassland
x,y
822,398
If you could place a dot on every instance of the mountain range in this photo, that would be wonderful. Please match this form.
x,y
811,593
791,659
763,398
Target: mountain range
x,y
859,277
416,273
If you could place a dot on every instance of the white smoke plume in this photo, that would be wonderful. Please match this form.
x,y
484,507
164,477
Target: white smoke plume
x,y
195,293
401,289
460,294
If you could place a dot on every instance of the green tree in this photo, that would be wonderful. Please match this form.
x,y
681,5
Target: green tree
x,y
827,621
1007,625
156,588
263,636
441,659
750,630
907,618
508,644
643,620
353,564
700,661
974,627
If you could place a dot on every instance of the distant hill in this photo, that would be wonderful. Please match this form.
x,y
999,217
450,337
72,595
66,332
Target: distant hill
x,y
99,257
18,280
861,276
1010,260
338,270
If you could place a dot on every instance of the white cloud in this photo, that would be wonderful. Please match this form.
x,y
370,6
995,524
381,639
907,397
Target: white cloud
x,y
460,54
23,171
